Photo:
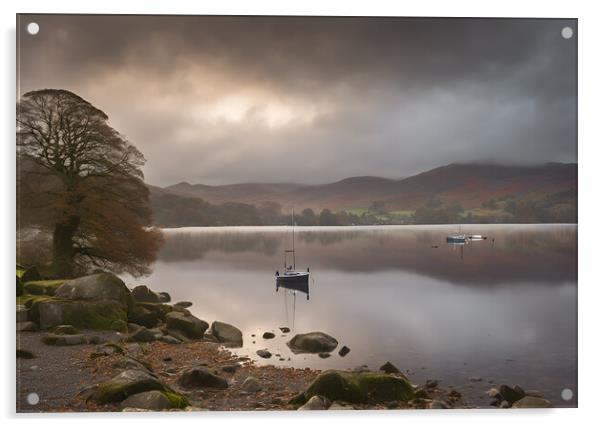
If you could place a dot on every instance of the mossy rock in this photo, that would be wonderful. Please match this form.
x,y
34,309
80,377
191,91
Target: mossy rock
x,y
357,387
191,326
159,309
127,383
178,401
49,312
143,316
42,287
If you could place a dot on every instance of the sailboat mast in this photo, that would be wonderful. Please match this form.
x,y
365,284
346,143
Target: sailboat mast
x,y
293,221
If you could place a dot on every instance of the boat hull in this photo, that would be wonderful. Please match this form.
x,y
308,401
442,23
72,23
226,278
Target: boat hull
x,y
296,282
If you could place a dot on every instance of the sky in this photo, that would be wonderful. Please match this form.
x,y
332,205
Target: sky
x,y
220,100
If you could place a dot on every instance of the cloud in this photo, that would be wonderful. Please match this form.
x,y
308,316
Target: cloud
x,y
233,99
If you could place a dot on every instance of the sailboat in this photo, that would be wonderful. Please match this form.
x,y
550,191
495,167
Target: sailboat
x,y
457,238
291,278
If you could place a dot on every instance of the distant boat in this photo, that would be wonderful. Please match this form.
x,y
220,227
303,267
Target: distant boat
x,y
476,237
291,278
459,237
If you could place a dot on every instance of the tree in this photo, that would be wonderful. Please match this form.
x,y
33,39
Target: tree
x,y
328,218
82,181
308,217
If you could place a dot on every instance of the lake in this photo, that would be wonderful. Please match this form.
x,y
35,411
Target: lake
x,y
502,309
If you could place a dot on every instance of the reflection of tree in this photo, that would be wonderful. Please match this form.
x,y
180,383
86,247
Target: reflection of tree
x,y
194,246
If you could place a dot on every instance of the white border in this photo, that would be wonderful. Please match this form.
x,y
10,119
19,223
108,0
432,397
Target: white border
x,y
590,209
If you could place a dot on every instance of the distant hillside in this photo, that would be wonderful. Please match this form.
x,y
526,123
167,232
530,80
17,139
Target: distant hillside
x,y
491,193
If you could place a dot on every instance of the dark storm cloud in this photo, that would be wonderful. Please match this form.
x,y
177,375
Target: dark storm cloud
x,y
229,99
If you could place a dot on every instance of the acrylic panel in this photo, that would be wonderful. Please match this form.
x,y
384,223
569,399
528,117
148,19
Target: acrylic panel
x,y
248,213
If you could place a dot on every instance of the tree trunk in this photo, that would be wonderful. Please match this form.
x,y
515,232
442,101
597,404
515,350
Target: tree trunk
x,y
62,247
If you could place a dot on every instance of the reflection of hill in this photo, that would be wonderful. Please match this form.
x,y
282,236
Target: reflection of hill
x,y
529,253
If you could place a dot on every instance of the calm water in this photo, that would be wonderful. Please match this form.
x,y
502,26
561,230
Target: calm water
x,y
504,309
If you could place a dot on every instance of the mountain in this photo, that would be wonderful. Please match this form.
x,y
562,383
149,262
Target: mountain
x,y
468,184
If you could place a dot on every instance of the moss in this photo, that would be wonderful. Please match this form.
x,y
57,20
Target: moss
x,y
93,315
176,400
20,271
119,326
358,387
126,384
42,287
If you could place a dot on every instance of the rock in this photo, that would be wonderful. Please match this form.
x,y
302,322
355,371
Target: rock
x,y
534,393
119,325
475,379
284,329
135,410
164,297
357,387
312,342
107,349
431,383
65,330
133,326
230,368
494,393
27,327
126,384
209,337
157,332
226,333
155,400
25,354
251,385
142,316
268,335
344,351
96,287
504,404
60,340
337,406
181,310
389,368
31,274
168,339
42,287
439,404
22,313
315,403
532,402
323,355
127,362
85,314
177,335
190,326
264,353
511,394
96,339
142,335
199,376
142,293
183,304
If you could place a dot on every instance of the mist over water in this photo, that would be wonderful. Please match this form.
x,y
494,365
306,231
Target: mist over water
x,y
503,309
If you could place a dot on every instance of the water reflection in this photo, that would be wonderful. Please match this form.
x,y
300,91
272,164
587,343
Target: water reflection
x,y
504,309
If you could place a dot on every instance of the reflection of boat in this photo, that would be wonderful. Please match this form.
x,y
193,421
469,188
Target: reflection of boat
x,y
456,238
290,277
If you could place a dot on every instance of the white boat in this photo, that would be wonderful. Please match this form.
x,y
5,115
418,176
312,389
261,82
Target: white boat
x,y
459,237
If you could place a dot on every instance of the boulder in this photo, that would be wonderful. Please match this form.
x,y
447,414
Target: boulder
x,y
312,342
96,287
142,335
315,403
389,368
251,385
190,326
127,362
27,327
155,400
199,377
25,354
144,294
164,297
107,349
264,353
126,384
52,339
358,387
177,335
51,312
43,287
22,313
65,330
183,304
226,333
168,339
532,402
511,394
140,315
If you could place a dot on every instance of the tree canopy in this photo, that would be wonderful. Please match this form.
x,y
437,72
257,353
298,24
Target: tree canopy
x,y
80,179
